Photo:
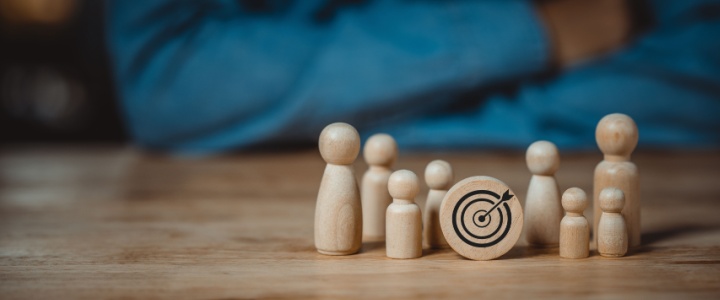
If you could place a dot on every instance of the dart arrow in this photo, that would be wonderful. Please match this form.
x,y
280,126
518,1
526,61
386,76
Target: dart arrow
x,y
505,197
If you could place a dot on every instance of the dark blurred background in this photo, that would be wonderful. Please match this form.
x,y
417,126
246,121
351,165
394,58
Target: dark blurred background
x,y
55,83
551,68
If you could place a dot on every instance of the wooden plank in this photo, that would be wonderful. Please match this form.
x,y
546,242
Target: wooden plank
x,y
106,222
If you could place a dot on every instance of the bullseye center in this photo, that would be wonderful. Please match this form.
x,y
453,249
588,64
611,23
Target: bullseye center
x,y
481,219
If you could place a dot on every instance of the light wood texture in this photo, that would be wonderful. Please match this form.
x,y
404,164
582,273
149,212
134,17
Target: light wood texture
x,y
439,178
404,219
338,212
91,222
574,228
612,230
543,211
481,218
617,136
380,152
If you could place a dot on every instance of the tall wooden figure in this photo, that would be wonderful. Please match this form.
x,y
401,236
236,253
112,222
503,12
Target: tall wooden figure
x,y
439,178
404,222
617,136
543,211
574,228
612,231
380,152
338,214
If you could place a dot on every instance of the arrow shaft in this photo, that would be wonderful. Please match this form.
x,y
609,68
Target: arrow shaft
x,y
493,208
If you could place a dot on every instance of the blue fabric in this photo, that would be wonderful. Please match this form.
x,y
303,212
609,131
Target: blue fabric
x,y
219,75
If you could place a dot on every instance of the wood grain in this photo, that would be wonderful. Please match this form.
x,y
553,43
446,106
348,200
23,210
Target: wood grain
x,y
109,222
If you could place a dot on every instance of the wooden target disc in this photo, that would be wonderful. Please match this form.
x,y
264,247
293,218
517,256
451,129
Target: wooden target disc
x,y
481,218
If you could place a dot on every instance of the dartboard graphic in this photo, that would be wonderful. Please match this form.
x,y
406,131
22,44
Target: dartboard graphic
x,y
481,218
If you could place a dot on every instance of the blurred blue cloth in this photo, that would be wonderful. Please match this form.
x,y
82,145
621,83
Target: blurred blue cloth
x,y
208,76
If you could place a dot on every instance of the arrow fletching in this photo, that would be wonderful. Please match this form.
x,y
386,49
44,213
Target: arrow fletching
x,y
506,196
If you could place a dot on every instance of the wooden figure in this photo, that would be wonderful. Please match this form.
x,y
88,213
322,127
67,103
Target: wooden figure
x,y
481,218
439,177
380,152
617,136
574,228
338,214
612,234
543,210
403,218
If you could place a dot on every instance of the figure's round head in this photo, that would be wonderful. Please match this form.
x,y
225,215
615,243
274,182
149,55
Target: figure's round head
x,y
380,150
403,184
616,134
574,200
612,200
339,144
542,158
439,175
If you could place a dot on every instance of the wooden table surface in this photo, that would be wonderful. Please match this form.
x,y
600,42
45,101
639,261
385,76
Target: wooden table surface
x,y
112,222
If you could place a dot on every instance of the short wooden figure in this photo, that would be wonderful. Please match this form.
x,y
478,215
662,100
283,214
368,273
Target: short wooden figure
x,y
612,231
403,218
481,218
617,136
543,210
380,152
439,178
338,214
574,228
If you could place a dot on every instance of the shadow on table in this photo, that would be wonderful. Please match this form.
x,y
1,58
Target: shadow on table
x,y
649,239
372,246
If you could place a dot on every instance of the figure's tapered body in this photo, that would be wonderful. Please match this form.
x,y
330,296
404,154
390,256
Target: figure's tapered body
x,y
543,212
404,230
612,235
338,214
375,201
432,231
